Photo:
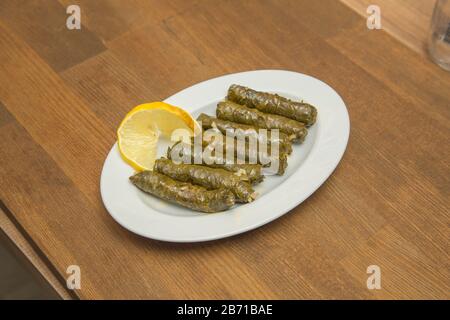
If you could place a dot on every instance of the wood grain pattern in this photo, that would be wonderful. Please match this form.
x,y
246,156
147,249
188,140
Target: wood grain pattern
x,y
408,276
406,20
43,25
109,19
117,80
387,203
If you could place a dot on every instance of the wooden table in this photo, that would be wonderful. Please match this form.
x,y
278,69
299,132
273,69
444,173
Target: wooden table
x,y
63,93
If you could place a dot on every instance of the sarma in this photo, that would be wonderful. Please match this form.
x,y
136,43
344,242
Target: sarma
x,y
183,193
273,103
266,159
209,178
231,111
246,172
223,126
220,150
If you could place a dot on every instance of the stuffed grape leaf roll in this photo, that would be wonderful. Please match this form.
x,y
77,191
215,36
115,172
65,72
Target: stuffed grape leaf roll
x,y
273,103
184,152
209,178
224,126
230,150
227,110
183,193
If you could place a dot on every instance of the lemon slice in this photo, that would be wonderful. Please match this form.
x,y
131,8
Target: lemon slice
x,y
140,131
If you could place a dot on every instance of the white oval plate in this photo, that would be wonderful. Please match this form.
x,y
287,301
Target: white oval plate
x,y
310,164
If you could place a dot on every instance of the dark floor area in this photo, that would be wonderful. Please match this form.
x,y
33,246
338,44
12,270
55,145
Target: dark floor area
x,y
18,277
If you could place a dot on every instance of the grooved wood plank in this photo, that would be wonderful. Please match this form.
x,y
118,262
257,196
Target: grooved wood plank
x,y
108,87
406,20
378,53
404,273
42,24
30,253
56,118
109,19
162,62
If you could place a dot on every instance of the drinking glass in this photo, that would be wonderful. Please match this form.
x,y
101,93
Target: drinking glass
x,y
439,41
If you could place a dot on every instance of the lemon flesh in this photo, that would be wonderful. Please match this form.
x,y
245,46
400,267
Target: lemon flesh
x,y
140,131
